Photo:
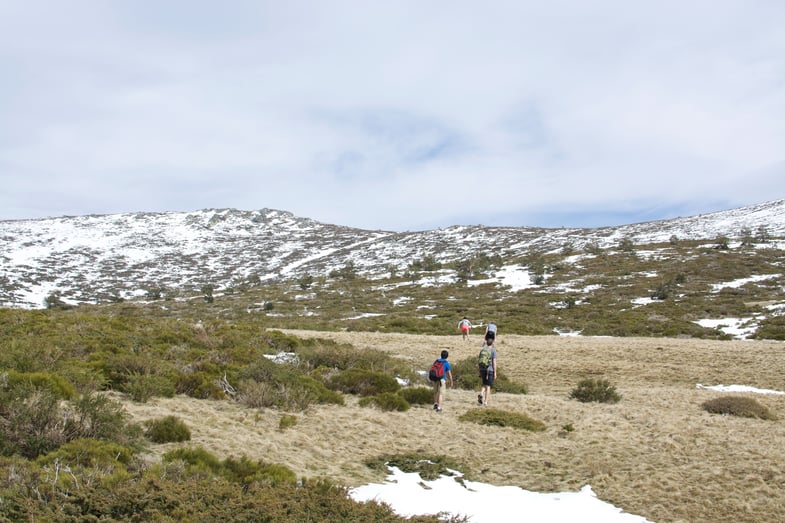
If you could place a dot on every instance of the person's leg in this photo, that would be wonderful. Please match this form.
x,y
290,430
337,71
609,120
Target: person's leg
x,y
436,394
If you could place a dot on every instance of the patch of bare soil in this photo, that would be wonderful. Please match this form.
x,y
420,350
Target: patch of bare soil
x,y
656,453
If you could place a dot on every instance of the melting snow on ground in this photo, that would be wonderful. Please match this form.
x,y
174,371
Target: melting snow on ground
x,y
514,276
408,495
738,388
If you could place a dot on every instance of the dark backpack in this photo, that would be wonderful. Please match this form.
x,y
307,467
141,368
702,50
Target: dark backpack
x,y
437,371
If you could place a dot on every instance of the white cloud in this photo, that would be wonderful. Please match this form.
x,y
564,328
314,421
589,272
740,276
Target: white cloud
x,y
396,116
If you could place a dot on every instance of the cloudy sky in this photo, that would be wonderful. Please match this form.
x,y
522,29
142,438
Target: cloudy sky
x,y
401,115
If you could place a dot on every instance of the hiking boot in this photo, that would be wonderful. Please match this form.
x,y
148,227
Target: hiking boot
x,y
438,409
435,406
479,399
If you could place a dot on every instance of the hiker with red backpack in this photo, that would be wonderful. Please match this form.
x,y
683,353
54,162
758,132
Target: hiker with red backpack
x,y
438,374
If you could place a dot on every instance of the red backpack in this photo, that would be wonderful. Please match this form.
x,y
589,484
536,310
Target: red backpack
x,y
437,371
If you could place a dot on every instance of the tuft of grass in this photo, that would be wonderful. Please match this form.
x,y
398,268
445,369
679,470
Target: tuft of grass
x,y
595,390
287,421
738,406
501,418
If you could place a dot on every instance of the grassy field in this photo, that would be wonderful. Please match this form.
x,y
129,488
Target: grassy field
x,y
655,453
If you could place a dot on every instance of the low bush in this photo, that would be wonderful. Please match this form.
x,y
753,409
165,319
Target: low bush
x,y
288,391
142,387
387,401
168,429
287,421
199,385
500,418
595,390
363,382
417,395
55,383
738,406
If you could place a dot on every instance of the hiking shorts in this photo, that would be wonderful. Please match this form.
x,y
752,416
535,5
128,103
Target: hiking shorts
x,y
465,329
487,379
439,386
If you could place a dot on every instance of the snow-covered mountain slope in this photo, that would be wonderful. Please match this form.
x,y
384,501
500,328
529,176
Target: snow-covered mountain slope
x,y
98,258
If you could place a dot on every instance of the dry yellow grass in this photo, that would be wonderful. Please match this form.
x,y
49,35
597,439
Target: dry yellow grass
x,y
656,453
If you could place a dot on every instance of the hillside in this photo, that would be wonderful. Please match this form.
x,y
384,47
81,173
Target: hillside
x,y
712,275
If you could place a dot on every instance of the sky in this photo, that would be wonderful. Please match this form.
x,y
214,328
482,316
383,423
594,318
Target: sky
x,y
398,116
408,494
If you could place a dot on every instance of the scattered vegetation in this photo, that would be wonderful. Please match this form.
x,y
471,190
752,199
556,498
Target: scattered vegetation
x,y
429,467
595,390
738,406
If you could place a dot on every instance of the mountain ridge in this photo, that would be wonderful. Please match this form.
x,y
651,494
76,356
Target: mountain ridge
x,y
97,258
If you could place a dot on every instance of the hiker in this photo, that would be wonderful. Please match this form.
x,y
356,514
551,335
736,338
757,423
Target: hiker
x,y
438,374
490,330
466,326
487,368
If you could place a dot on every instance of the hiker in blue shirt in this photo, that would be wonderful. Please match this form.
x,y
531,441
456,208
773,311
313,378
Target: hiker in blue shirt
x,y
440,384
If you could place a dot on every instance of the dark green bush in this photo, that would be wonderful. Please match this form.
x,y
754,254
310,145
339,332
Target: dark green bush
x,y
199,385
500,418
738,406
363,382
387,401
417,395
595,390
168,429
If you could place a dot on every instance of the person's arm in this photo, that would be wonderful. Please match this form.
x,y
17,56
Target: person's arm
x,y
449,375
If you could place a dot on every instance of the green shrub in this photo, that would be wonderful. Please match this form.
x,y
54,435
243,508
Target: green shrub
x,y
246,471
363,382
168,429
595,390
387,401
417,395
738,406
199,385
196,457
142,387
86,452
500,418
55,383
287,421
